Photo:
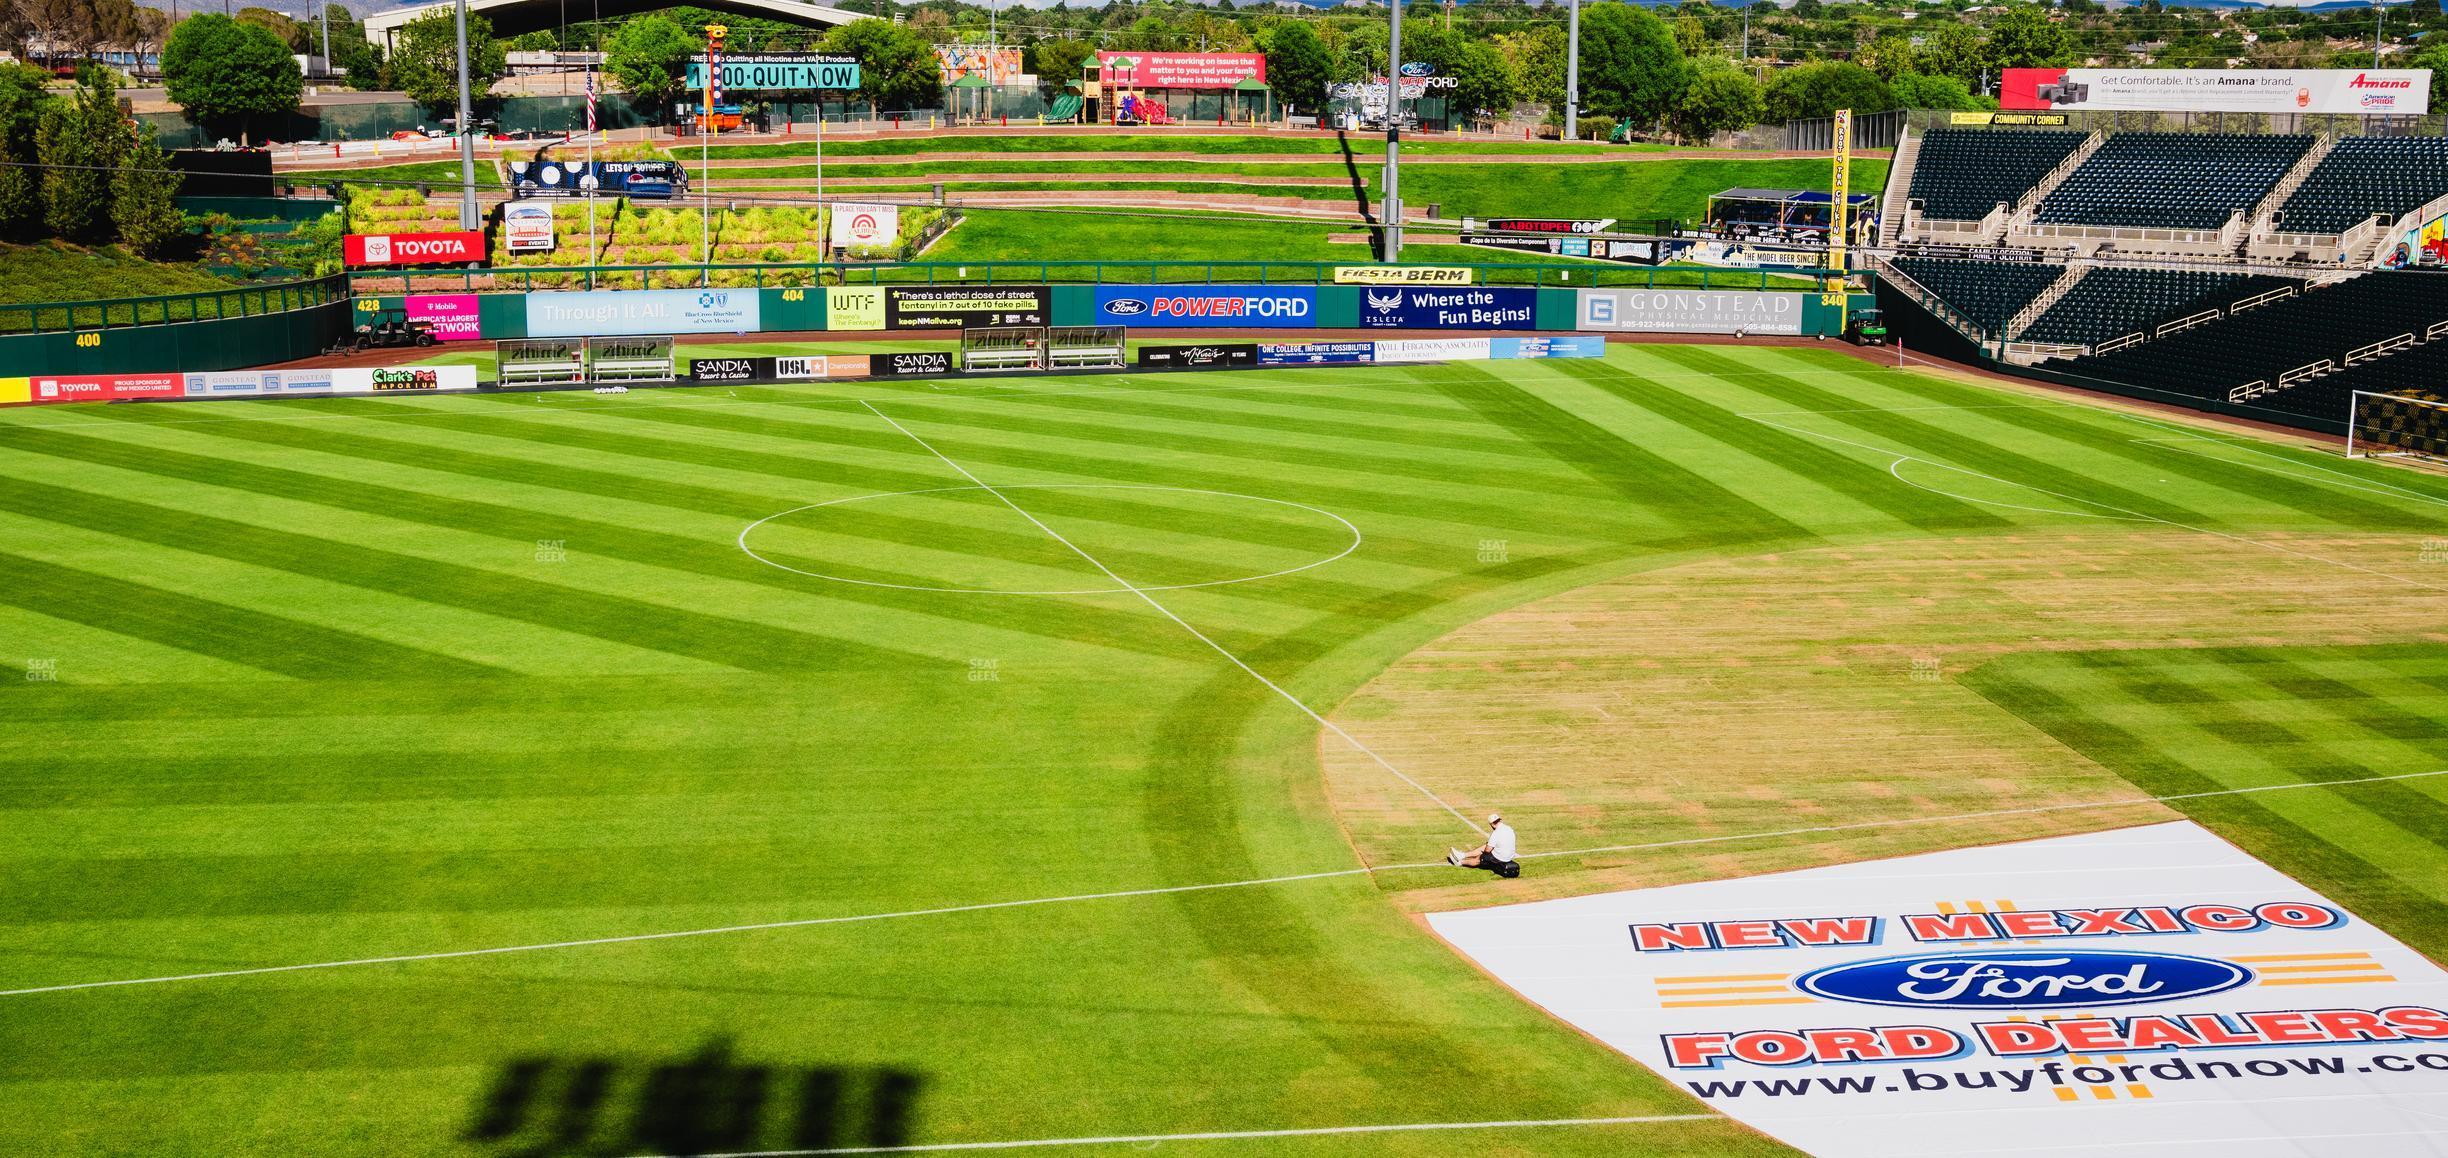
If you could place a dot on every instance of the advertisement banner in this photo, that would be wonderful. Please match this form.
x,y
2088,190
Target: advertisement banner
x,y
822,366
1435,350
412,248
909,365
545,177
730,369
1398,308
527,227
1561,346
1690,311
105,387
865,226
779,72
1630,251
2133,992
1244,306
15,390
2375,91
579,313
1315,353
929,307
1562,225
453,315
402,379
1216,357
1000,66
298,380
1180,69
1402,275
223,384
854,307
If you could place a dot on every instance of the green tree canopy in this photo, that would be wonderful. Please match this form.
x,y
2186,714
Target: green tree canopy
x,y
1630,67
1952,49
649,56
1722,95
1915,91
896,67
21,105
1298,65
1058,61
1536,56
220,70
80,141
425,62
1809,91
2025,37
141,192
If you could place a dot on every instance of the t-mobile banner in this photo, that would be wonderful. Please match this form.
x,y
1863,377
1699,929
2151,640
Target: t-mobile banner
x,y
453,315
1690,311
2381,91
1400,308
2134,992
1193,306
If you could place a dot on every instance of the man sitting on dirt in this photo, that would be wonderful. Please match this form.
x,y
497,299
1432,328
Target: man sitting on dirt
x,y
1496,855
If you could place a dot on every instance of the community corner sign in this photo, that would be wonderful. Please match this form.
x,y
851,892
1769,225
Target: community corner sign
x,y
2371,91
2149,992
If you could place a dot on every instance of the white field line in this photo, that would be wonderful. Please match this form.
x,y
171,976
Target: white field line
x,y
1153,1140
988,906
1184,624
1901,456
2339,478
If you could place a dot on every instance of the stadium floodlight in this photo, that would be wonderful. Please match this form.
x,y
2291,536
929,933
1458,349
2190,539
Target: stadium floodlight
x,y
467,125
2396,426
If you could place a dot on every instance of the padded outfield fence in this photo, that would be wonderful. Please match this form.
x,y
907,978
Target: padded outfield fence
x,y
1578,275
169,309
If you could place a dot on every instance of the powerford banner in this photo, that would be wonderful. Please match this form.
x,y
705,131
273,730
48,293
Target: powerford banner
x,y
412,248
1238,306
453,316
2389,91
1136,70
926,307
2151,992
1400,308
583,313
1689,311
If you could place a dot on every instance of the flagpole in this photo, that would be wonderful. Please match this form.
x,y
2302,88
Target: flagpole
x,y
594,181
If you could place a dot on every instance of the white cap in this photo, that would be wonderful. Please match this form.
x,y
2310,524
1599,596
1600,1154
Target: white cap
x,y
1495,817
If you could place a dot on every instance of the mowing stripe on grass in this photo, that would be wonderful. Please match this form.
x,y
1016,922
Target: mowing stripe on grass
x,y
1152,1140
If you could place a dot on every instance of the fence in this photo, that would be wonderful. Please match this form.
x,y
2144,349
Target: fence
x,y
59,317
761,276
2334,124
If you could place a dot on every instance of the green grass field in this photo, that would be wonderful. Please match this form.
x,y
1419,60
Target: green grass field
x,y
1218,143
324,681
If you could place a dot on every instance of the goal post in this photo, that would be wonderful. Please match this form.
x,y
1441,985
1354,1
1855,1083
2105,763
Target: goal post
x,y
2396,426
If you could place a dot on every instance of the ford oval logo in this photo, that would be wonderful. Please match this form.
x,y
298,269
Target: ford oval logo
x,y
2023,979
1417,68
1125,307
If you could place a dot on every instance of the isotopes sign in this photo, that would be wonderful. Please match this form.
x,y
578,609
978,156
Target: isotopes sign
x,y
2378,91
412,248
2133,991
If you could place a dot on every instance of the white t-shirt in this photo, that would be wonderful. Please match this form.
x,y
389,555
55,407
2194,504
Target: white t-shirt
x,y
1500,841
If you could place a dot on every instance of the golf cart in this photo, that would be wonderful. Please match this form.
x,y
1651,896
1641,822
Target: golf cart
x,y
392,329
1866,328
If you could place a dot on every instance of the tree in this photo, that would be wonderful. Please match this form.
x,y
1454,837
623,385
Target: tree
x,y
279,24
1298,65
1060,62
2025,37
21,103
79,142
649,56
1890,56
1955,50
1809,91
221,70
2435,58
1536,56
425,62
141,193
895,66
1630,67
1915,91
1721,96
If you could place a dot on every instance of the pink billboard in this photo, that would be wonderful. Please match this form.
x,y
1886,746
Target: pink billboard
x,y
453,315
1181,69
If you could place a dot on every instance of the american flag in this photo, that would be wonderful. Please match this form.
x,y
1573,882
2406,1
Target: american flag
x,y
590,101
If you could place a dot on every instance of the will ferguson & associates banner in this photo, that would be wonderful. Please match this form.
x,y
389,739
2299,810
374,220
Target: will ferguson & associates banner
x,y
2370,91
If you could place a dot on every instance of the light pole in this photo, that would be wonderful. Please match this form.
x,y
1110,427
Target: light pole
x,y
1572,71
467,142
1393,115
705,131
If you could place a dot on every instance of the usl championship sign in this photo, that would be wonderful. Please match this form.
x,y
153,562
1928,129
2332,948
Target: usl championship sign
x,y
412,248
2139,992
2389,91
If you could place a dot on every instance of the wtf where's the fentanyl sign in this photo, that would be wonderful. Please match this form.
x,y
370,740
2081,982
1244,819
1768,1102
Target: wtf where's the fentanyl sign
x,y
2151,991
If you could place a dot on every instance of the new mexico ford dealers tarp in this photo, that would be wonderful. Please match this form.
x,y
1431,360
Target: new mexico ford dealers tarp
x,y
1239,306
1447,308
2151,992
605,312
1690,311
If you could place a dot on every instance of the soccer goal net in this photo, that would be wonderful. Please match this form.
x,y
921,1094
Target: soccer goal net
x,y
2397,426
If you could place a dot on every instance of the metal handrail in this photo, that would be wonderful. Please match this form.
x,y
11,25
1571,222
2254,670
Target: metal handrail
x,y
2306,372
2376,349
2250,390
171,309
2184,323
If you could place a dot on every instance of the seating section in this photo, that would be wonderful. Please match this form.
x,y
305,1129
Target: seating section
x,y
1987,292
1965,173
2266,341
2361,176
2420,371
2172,180
2109,301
